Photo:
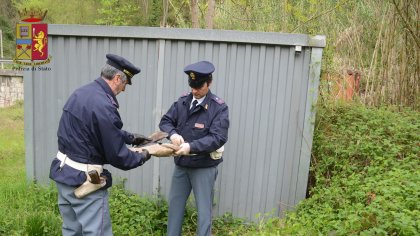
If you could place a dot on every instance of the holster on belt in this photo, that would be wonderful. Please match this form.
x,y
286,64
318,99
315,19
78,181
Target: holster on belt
x,y
94,181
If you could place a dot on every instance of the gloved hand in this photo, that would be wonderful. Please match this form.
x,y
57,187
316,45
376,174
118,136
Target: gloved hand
x,y
143,151
146,154
139,139
177,139
184,149
108,177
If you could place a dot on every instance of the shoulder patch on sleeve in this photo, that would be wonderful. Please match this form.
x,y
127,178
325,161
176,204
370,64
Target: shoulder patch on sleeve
x,y
218,100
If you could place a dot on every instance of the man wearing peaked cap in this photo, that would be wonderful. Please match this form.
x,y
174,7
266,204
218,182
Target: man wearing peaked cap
x,y
90,135
199,123
198,73
123,65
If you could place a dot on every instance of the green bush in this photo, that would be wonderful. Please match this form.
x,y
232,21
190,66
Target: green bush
x,y
132,214
365,165
135,215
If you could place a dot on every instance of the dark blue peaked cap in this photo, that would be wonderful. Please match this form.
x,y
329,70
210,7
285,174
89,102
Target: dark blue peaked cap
x,y
123,65
198,73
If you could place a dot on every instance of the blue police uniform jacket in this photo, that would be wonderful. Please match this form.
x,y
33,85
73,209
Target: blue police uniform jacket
x,y
90,131
205,128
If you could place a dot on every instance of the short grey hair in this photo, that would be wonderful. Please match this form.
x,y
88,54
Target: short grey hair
x,y
108,72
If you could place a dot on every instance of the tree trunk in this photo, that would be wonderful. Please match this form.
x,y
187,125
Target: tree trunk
x,y
210,14
194,13
165,12
144,7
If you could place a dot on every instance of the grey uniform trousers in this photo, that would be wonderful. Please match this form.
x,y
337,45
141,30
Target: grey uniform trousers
x,y
86,216
201,181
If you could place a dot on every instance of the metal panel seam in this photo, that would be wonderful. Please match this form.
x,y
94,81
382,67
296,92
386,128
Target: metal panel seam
x,y
159,94
309,118
29,125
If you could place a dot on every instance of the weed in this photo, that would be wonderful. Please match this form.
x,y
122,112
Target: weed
x,y
365,182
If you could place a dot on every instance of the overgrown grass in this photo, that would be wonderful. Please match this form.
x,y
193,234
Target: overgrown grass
x,y
364,181
25,208
366,174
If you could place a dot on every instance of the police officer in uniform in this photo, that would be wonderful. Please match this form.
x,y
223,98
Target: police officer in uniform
x,y
90,135
199,123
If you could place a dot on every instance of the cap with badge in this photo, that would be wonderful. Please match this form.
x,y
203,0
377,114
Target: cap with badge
x,y
198,73
123,65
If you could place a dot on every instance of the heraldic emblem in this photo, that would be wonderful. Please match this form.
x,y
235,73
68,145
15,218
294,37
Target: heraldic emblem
x,y
32,38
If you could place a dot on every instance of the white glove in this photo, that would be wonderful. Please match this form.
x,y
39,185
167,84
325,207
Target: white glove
x,y
184,149
216,155
177,139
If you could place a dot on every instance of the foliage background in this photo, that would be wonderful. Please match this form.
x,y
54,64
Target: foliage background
x,y
379,39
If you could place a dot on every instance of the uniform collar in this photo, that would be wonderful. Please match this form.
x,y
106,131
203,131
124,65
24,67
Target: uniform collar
x,y
108,91
201,102
208,97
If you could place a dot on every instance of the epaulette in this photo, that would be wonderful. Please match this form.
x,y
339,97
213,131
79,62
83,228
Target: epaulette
x,y
218,100
185,94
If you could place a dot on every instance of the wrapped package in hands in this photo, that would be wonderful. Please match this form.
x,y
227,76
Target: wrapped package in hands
x,y
156,148
161,150
154,138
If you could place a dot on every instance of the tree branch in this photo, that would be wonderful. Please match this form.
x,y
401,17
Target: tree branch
x,y
407,25
316,16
